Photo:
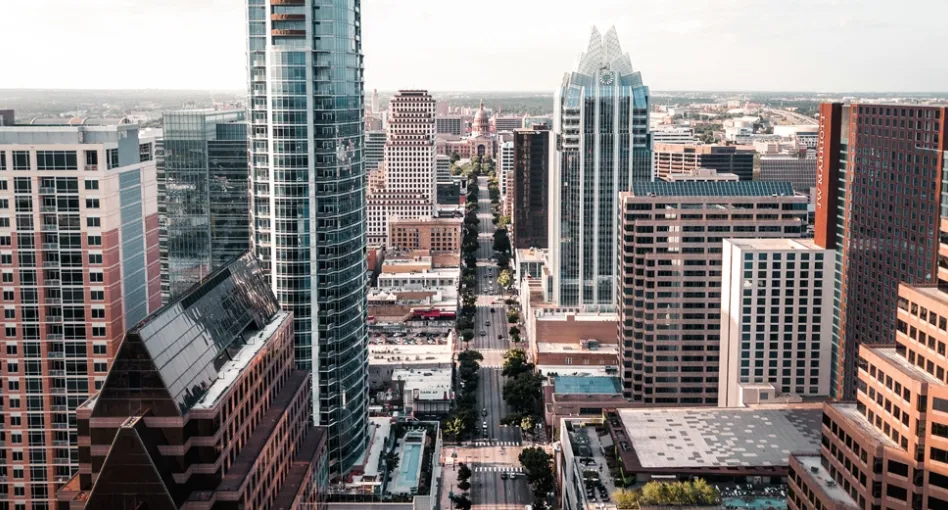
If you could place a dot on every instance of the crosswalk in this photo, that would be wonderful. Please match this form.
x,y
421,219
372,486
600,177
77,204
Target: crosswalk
x,y
497,469
498,443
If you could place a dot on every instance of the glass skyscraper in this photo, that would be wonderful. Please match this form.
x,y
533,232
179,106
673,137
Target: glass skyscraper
x,y
309,204
203,195
602,145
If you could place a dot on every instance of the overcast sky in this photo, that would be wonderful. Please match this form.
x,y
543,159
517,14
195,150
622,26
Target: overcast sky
x,y
496,45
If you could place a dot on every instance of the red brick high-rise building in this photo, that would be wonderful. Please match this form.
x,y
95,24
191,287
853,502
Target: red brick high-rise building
x,y
879,203
79,263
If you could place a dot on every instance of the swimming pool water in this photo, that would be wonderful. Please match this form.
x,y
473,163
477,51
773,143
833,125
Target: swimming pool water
x,y
756,503
411,459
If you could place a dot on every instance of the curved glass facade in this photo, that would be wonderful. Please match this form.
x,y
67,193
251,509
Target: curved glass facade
x,y
306,149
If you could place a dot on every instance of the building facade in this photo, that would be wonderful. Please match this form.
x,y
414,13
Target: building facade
x,y
203,195
374,149
309,215
882,223
684,158
507,123
800,172
437,235
602,147
505,173
889,449
529,187
676,134
450,125
203,408
776,321
670,283
79,264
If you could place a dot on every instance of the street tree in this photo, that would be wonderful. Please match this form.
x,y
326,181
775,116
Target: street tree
x,y
454,426
526,424
505,279
538,466
514,330
515,363
513,316
461,502
464,472
524,393
626,499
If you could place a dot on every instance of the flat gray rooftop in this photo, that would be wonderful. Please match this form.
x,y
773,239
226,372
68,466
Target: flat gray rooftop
x,y
712,437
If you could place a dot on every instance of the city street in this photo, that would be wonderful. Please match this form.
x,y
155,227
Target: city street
x,y
495,448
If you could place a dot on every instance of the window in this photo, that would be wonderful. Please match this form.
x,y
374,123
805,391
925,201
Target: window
x,y
21,160
9,313
100,366
10,331
97,295
98,313
98,331
56,160
93,221
95,258
3,161
96,277
112,157
95,240
99,349
144,152
92,184
92,203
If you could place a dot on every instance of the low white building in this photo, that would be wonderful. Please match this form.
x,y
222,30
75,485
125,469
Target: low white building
x,y
426,391
776,321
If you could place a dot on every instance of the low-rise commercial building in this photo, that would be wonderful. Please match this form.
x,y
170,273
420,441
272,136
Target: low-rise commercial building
x,y
571,396
439,236
747,445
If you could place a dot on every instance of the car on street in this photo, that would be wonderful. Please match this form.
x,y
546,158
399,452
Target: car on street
x,y
504,475
491,310
487,323
483,333
484,412
500,337
484,425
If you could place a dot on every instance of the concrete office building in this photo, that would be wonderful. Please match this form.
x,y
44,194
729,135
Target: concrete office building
x,y
214,367
307,158
878,175
701,175
671,244
203,195
800,172
407,187
507,123
683,158
450,125
374,149
529,188
602,147
505,174
889,449
442,168
673,134
776,321
79,263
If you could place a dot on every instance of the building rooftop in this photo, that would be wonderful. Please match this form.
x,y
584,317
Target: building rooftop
x,y
593,346
552,314
423,353
712,189
929,291
587,385
531,255
819,474
779,243
579,370
850,412
430,383
712,437
898,361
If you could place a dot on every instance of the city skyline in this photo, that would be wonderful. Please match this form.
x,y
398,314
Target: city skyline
x,y
663,40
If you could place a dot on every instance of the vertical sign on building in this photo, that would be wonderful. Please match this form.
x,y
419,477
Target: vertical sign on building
x,y
827,173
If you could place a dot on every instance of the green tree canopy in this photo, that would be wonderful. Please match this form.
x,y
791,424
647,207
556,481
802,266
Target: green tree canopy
x,y
538,466
524,393
515,363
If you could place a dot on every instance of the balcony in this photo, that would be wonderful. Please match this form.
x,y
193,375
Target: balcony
x,y
50,263
91,168
60,442
288,17
54,318
52,281
56,354
61,460
57,373
54,301
57,390
48,208
288,33
61,408
54,336
50,246
60,426
49,227
47,190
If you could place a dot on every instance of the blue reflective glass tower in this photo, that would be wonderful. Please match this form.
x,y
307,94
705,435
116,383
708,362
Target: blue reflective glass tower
x,y
602,145
306,153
